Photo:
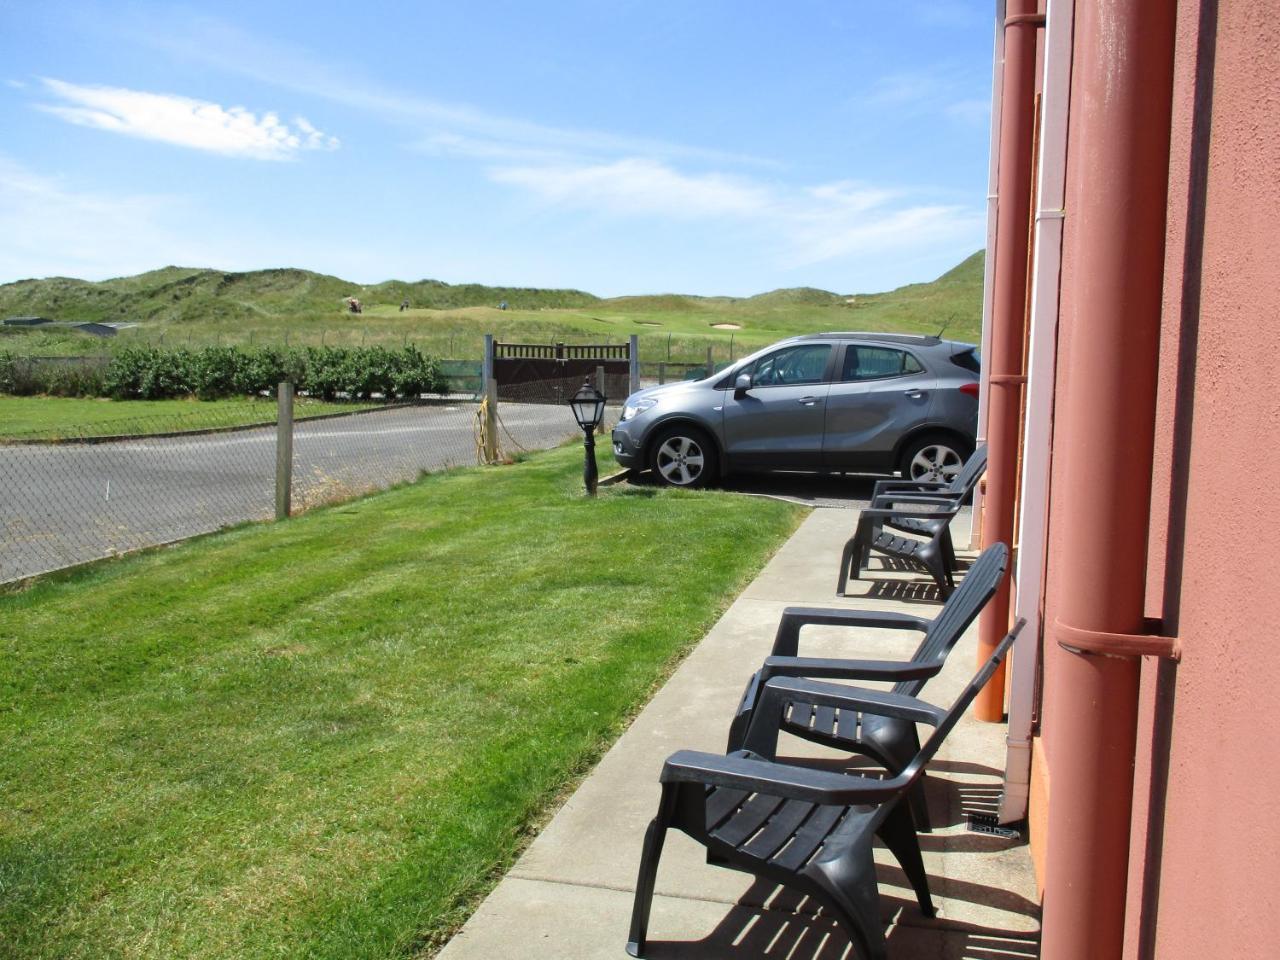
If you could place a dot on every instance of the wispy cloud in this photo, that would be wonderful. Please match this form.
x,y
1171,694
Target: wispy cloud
x,y
945,90
53,227
805,225
186,122
639,186
440,126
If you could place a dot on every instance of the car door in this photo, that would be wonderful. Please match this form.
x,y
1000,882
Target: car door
x,y
879,394
778,423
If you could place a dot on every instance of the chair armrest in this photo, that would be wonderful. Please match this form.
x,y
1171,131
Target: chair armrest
x,y
942,500
786,641
740,772
884,486
881,703
848,669
882,513
773,698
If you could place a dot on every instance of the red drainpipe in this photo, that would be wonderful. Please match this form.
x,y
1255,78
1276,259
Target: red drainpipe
x,y
1118,163
1008,308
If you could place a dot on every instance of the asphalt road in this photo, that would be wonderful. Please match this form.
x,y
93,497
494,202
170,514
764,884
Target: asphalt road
x,y
65,504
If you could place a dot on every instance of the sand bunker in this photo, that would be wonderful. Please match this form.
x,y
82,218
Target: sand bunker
x,y
726,326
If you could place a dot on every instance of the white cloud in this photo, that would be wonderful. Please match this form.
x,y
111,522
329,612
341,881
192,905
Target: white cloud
x,y
639,186
936,90
443,126
808,225
198,124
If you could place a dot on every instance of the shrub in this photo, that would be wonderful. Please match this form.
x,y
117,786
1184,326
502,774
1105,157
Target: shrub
x,y
55,376
146,373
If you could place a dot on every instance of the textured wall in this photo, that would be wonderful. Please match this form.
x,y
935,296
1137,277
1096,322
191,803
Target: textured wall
x,y
1218,867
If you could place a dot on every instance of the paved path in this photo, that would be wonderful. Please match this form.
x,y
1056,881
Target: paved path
x,y
570,894
63,504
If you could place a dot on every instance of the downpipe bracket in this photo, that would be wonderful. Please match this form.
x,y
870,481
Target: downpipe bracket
x,y
1097,642
1025,20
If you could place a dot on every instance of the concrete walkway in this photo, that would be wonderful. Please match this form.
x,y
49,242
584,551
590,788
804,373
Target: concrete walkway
x,y
570,895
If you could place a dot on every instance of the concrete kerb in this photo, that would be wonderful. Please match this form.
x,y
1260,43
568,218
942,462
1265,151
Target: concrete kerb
x,y
569,894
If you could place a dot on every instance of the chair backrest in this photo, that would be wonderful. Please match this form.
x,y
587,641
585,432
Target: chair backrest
x,y
916,766
979,586
964,481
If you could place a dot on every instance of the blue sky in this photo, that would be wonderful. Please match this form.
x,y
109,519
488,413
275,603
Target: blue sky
x,y
619,147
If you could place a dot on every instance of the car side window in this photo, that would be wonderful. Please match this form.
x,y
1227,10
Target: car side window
x,y
805,363
877,363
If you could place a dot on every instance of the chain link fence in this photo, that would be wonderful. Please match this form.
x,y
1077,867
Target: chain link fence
x,y
81,494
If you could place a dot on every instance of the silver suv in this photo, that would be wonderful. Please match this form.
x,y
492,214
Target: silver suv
x,y
857,402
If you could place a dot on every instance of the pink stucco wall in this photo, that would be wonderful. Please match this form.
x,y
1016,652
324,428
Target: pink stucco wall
x,y
1205,846
1219,865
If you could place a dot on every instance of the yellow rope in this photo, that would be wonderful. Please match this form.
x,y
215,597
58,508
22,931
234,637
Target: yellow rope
x,y
481,436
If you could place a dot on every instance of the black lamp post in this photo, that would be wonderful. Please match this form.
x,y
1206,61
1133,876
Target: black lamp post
x,y
588,410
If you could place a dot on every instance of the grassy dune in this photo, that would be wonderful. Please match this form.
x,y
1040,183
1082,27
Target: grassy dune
x,y
176,307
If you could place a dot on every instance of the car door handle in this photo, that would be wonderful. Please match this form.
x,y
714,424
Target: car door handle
x,y
914,394
808,401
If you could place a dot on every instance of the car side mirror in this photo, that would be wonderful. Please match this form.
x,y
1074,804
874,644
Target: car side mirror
x,y
742,384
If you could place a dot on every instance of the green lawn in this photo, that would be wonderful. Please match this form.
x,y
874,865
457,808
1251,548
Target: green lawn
x,y
327,737
46,417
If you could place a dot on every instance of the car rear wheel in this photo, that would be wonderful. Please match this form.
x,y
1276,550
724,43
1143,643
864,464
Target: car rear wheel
x,y
683,456
936,459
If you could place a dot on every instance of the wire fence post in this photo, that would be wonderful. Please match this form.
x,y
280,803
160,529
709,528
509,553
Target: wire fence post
x,y
489,390
284,449
486,364
491,420
600,387
633,354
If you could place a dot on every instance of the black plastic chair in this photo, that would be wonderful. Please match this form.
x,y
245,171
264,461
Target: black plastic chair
x,y
811,830
890,742
922,509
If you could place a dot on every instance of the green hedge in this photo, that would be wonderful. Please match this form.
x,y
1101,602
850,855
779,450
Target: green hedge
x,y
145,373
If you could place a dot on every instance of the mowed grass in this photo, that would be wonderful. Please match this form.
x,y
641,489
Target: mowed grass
x,y
57,417
326,738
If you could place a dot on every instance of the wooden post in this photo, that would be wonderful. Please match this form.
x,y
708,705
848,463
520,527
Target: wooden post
x,y
491,420
486,364
284,449
662,373
633,353
710,368
600,387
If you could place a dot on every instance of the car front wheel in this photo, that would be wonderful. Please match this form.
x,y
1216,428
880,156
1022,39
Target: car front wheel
x,y
683,457
935,459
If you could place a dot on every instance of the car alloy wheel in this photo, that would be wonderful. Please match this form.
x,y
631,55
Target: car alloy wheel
x,y
680,461
935,462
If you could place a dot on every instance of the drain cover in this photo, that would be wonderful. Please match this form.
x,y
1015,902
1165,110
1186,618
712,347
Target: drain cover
x,y
987,823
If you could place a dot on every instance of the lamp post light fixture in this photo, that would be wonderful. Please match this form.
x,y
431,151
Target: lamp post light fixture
x,y
588,410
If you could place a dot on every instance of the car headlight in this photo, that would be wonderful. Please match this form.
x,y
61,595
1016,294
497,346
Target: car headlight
x,y
634,407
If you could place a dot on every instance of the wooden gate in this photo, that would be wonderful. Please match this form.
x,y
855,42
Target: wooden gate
x,y
552,372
